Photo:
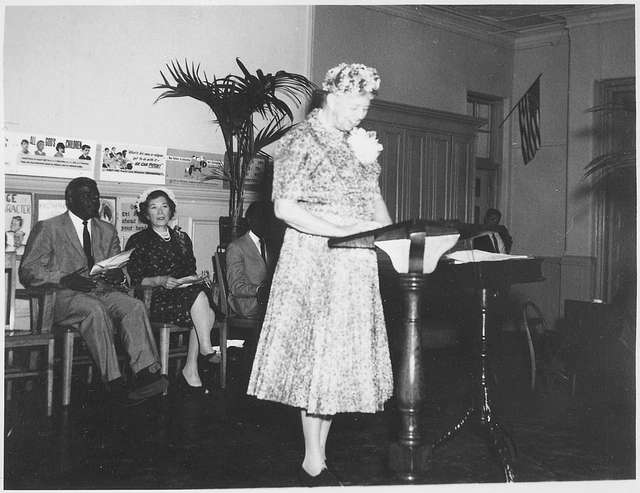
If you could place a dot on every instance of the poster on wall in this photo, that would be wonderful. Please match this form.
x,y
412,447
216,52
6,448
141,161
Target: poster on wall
x,y
259,174
36,154
132,163
17,214
195,167
49,205
107,211
127,223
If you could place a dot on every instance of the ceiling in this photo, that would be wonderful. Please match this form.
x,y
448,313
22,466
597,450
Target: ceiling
x,y
516,19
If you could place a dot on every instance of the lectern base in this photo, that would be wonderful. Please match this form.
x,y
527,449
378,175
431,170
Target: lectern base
x,y
409,462
498,440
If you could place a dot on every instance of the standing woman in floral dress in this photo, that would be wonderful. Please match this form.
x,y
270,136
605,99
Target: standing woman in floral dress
x,y
323,345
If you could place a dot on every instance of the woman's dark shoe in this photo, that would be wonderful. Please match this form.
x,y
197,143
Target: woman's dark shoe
x,y
332,471
187,388
206,361
325,478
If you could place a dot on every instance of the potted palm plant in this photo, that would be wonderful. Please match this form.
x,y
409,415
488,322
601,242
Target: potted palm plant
x,y
236,101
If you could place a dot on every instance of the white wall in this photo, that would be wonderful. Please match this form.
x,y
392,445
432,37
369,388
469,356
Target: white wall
x,y
89,71
419,65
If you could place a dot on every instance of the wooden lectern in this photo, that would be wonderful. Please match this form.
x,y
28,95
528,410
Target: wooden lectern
x,y
414,248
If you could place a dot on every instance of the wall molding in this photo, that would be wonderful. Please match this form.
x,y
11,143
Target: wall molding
x,y
431,17
417,117
186,192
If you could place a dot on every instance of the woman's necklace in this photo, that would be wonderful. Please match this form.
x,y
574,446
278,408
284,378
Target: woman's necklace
x,y
165,235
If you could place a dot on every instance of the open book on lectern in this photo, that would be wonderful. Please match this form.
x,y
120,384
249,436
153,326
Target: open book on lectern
x,y
395,240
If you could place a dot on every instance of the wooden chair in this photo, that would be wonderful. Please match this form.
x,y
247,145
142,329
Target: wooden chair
x,y
39,337
230,324
544,357
42,300
165,330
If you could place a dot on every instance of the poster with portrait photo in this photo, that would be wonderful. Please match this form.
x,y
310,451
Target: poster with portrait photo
x,y
40,154
132,163
18,210
107,211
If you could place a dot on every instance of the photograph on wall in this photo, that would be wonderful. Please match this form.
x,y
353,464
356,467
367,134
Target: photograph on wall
x,y
132,163
47,206
107,211
127,223
17,216
185,166
42,154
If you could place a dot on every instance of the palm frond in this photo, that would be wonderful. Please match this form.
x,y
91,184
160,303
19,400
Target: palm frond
x,y
610,163
235,100
271,133
611,107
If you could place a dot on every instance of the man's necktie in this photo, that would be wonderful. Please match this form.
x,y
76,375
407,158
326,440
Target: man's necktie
x,y
263,251
86,244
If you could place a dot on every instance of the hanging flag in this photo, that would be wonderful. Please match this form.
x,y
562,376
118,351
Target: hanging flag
x,y
529,116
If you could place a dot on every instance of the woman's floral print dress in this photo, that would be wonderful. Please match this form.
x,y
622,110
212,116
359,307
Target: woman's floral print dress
x,y
154,256
323,345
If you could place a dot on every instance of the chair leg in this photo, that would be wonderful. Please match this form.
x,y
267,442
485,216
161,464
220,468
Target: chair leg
x,y
223,355
8,389
164,350
164,353
50,378
9,383
67,361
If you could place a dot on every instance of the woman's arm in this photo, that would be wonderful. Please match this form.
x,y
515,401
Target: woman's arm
x,y
381,214
297,217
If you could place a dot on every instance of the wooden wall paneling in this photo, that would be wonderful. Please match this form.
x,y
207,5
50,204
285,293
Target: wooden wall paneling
x,y
391,139
413,179
440,155
463,180
430,151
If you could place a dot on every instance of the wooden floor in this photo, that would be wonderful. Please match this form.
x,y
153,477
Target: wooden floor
x,y
228,440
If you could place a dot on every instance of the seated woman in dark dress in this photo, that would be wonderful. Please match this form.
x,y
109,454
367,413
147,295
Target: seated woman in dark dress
x,y
163,257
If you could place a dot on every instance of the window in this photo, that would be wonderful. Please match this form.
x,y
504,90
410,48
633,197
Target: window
x,y
488,151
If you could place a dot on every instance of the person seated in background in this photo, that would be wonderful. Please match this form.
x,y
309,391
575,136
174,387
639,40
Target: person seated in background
x,y
61,251
496,237
163,258
249,264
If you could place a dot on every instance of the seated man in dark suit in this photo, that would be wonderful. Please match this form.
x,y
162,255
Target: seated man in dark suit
x,y
496,237
61,251
249,264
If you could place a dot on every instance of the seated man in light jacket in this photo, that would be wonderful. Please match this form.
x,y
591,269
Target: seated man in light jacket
x,y
61,251
249,264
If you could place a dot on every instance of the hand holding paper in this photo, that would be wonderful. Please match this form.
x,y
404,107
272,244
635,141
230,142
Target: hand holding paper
x,y
117,261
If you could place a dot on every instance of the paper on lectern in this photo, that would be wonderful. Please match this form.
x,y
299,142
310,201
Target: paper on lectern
x,y
466,256
434,248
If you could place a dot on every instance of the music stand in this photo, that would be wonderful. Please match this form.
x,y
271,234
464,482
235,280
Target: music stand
x,y
414,247
487,277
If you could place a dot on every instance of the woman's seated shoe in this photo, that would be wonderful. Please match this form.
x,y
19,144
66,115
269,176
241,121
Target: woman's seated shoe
x,y
148,384
189,389
207,362
325,478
